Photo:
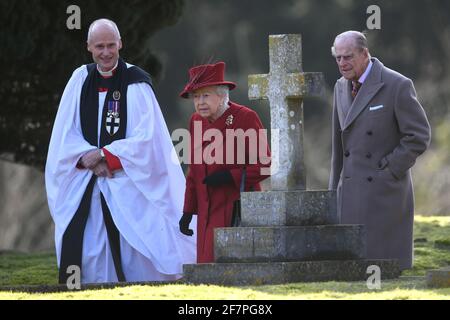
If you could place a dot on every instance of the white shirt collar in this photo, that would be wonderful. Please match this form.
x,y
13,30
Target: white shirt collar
x,y
366,73
107,73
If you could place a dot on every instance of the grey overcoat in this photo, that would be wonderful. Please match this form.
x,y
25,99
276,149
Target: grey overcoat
x,y
373,150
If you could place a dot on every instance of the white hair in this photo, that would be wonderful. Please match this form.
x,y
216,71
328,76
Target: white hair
x,y
359,40
223,91
107,22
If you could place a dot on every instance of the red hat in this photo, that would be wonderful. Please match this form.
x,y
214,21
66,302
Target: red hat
x,y
204,76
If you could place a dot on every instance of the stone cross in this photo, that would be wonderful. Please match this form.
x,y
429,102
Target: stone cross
x,y
285,87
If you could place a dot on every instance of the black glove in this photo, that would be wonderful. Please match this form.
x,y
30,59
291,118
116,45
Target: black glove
x,y
218,178
184,224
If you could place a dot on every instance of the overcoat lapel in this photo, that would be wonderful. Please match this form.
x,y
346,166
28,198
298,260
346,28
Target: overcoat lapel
x,y
368,90
345,101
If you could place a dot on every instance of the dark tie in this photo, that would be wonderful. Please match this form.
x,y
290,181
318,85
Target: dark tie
x,y
355,88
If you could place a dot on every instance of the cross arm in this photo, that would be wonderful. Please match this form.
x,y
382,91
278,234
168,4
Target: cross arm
x,y
305,84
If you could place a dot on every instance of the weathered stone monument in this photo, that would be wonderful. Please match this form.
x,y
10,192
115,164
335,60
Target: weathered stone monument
x,y
438,278
287,234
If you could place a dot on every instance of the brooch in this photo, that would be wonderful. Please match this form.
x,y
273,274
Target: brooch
x,y
229,120
116,95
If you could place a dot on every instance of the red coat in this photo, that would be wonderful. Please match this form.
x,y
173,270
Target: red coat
x,y
214,205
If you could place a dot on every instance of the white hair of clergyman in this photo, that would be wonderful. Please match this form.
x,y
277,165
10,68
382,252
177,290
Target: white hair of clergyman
x,y
359,40
108,22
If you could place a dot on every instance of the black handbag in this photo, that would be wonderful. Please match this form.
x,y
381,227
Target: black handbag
x,y
236,218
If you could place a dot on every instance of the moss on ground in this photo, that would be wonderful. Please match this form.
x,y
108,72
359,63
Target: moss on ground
x,y
28,269
430,234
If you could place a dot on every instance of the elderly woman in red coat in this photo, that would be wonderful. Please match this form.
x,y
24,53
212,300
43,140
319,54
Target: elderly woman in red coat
x,y
226,140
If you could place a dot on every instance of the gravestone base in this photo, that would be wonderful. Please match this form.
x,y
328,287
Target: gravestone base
x,y
263,273
439,278
282,239
288,208
289,243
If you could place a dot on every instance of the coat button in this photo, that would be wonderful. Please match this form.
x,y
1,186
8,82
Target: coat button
x,y
347,153
369,179
369,133
368,155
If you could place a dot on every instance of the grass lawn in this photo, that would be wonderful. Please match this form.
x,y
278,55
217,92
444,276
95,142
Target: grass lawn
x,y
432,250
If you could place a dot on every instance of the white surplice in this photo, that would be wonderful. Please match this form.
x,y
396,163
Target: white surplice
x,y
145,198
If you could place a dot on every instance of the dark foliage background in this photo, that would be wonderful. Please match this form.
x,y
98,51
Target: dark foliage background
x,y
38,54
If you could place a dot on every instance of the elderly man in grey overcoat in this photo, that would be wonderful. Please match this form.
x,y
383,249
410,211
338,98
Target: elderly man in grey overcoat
x,y
379,129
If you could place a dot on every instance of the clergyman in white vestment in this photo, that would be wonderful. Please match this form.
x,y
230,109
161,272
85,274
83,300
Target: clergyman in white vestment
x,y
113,190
